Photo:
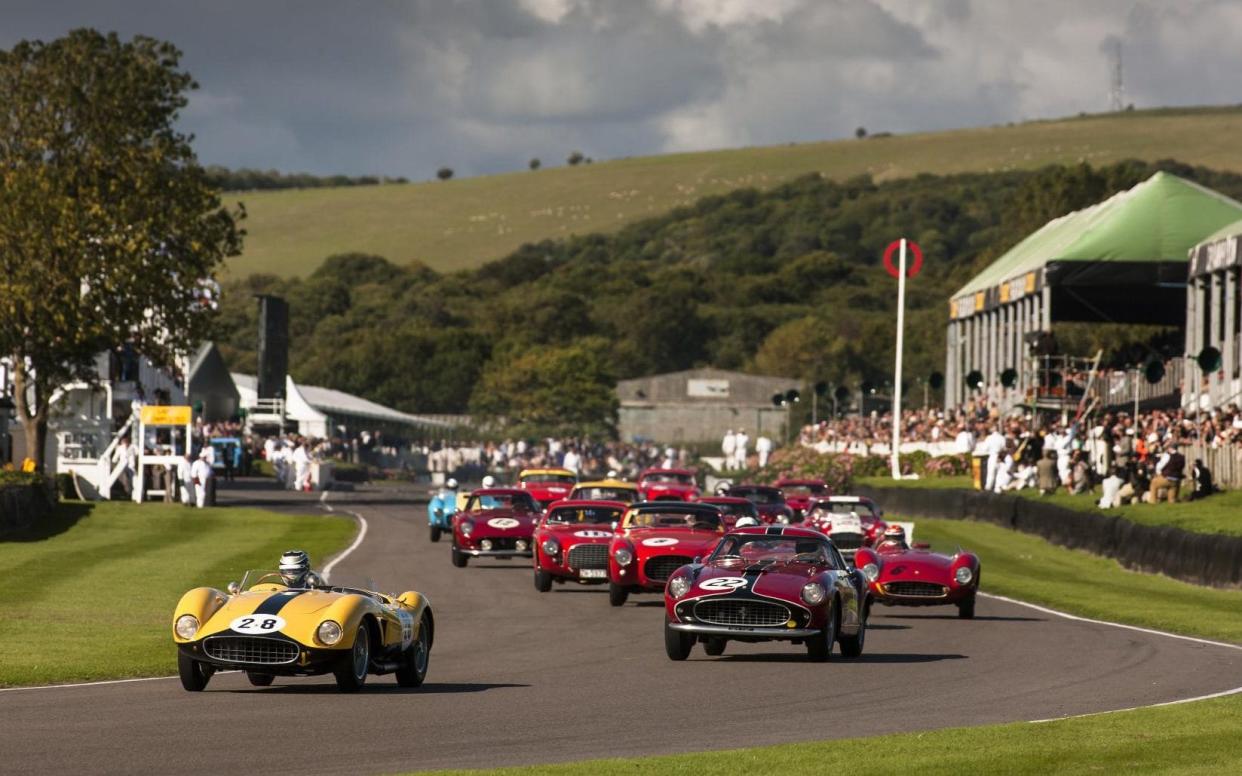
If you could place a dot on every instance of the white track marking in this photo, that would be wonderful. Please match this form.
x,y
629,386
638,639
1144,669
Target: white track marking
x,y
99,683
362,534
1177,702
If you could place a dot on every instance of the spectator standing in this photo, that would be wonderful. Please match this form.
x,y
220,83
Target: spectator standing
x,y
994,447
740,441
728,445
1169,471
185,475
301,467
763,446
200,474
127,456
572,460
1112,485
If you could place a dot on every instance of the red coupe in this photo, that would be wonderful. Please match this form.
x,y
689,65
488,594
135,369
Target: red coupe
x,y
771,583
495,523
768,500
905,576
571,542
547,485
732,507
655,539
800,493
657,484
852,522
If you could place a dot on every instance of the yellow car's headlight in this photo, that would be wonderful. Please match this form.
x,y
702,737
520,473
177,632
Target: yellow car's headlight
x,y
187,626
328,633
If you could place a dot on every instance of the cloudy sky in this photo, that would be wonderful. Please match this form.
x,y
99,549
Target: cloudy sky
x,y
402,87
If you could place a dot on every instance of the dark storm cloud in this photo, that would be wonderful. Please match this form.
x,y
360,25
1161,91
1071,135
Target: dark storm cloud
x,y
400,88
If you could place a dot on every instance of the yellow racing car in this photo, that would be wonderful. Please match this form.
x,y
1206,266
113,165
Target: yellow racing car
x,y
289,622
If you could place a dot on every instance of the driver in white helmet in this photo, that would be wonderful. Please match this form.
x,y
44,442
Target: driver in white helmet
x,y
745,521
296,572
894,540
489,481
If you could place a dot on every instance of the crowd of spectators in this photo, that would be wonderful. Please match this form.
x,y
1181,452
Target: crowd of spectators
x,y
585,457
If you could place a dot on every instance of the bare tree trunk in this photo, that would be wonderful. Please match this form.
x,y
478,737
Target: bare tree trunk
x,y
33,419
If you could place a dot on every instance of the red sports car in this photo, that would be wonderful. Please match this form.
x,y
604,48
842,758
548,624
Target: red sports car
x,y
799,493
654,540
732,507
851,522
547,485
571,542
657,484
904,576
768,500
772,583
495,523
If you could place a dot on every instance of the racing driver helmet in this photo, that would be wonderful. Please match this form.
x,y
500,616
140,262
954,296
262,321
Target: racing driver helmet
x,y
894,539
745,521
451,484
295,568
489,481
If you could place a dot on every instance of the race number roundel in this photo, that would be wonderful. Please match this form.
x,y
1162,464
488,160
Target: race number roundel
x,y
724,583
913,268
503,522
257,624
659,541
592,534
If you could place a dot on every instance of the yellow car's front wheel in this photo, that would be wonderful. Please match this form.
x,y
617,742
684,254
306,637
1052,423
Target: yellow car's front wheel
x,y
351,673
415,658
194,674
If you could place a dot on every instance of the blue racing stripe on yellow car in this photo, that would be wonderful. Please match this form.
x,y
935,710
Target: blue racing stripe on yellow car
x,y
277,601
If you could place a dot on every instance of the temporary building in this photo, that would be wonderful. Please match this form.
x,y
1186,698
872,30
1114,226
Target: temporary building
x,y
1122,260
1213,318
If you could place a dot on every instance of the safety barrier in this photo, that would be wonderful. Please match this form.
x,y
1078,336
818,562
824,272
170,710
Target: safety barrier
x,y
24,505
1202,559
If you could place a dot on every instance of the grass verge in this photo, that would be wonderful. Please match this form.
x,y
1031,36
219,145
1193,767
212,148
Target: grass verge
x,y
1216,514
1190,738
95,599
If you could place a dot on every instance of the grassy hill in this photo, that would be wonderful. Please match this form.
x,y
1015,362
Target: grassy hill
x,y
464,223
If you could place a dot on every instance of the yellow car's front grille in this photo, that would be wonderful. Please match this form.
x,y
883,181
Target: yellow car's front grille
x,y
251,650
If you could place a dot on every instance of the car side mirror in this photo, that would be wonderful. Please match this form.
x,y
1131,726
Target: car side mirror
x,y
234,588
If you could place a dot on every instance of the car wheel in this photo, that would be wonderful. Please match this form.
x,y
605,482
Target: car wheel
x,y
460,559
966,608
435,533
259,680
617,594
351,672
416,657
819,646
194,674
714,647
852,646
677,644
543,581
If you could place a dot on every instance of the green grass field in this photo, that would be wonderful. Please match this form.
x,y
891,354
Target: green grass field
x,y
1221,513
463,223
1190,738
94,600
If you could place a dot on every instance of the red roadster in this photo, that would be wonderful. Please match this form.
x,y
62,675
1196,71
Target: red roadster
x,y
495,523
571,542
800,493
768,500
667,484
771,583
732,507
852,522
903,576
547,485
654,540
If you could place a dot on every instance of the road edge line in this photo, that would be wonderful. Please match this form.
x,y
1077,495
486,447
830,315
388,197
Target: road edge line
x,y
362,534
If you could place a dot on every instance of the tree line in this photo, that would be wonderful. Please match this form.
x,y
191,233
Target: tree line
x,y
786,281
246,179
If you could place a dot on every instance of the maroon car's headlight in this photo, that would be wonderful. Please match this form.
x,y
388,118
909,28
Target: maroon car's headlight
x,y
814,593
467,528
964,575
871,572
679,586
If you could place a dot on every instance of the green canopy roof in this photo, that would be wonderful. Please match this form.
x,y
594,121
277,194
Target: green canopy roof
x,y
1159,220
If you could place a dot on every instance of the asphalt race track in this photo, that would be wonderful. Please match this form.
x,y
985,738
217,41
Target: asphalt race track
x,y
521,677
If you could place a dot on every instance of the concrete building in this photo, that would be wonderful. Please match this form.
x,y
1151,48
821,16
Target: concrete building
x,y
699,405
1212,314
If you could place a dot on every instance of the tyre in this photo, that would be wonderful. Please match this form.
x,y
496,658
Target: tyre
x,y
416,658
194,675
966,608
259,680
677,644
852,646
460,559
617,594
714,646
435,533
351,672
819,646
543,581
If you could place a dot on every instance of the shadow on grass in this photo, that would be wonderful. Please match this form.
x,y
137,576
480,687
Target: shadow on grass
x,y
66,516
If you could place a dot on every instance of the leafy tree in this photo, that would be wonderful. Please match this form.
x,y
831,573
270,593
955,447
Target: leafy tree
x,y
108,224
860,133
535,164
552,391
575,158
444,173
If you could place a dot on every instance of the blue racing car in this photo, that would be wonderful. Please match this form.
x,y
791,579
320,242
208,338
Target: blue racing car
x,y
441,508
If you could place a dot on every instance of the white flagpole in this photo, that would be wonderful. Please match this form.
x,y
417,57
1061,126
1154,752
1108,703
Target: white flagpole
x,y
895,442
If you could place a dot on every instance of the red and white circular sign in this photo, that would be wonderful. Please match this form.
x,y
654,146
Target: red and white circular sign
x,y
912,268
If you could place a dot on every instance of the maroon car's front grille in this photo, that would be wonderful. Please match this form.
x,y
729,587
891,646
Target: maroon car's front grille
x,y
761,614
662,567
588,556
916,589
255,650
